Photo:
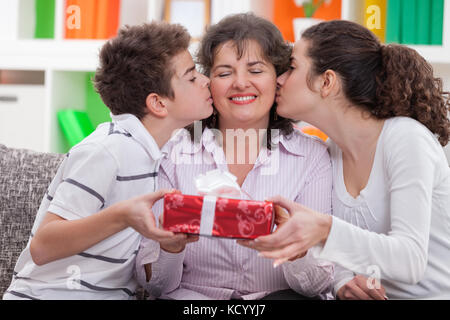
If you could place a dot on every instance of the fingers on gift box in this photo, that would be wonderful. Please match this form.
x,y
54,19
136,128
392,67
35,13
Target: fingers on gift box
x,y
218,217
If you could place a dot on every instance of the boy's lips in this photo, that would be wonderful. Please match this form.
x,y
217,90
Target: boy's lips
x,y
243,98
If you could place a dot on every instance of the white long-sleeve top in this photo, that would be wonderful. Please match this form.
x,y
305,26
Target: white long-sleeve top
x,y
398,228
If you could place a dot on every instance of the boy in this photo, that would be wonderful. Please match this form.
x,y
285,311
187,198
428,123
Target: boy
x,y
89,225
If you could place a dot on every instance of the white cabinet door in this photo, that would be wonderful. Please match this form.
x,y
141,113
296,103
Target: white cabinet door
x,y
22,116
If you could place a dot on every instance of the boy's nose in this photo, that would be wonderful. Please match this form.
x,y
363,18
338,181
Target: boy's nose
x,y
206,81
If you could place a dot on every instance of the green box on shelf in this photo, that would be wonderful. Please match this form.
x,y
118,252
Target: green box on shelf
x,y
75,125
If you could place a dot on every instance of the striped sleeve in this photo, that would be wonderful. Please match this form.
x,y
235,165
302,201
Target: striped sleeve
x,y
89,173
167,268
317,191
310,276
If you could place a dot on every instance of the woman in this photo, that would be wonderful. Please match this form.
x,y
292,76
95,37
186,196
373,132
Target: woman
x,y
242,55
386,117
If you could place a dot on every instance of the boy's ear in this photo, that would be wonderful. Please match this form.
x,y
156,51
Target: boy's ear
x,y
156,105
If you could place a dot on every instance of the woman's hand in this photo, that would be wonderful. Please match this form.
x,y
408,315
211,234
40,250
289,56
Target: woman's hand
x,y
357,289
177,243
294,235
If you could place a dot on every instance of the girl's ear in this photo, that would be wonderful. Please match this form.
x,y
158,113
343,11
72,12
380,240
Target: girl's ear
x,y
156,105
329,83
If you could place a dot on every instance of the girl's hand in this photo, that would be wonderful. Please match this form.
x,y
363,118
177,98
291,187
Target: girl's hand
x,y
294,236
357,289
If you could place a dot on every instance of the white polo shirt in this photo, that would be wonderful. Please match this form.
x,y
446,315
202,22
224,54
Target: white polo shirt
x,y
118,161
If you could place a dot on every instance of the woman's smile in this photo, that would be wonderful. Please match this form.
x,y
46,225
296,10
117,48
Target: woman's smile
x,y
243,98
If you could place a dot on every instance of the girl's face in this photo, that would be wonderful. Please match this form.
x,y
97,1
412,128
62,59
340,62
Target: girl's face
x,y
295,98
243,89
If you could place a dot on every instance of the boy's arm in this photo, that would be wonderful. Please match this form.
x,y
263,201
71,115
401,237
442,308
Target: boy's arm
x,y
59,238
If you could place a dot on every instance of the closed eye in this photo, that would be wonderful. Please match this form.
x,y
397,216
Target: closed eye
x,y
224,74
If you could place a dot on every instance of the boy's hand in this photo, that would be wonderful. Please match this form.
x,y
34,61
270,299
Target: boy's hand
x,y
138,214
177,243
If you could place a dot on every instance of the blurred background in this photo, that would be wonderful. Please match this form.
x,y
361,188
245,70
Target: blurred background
x,y
49,50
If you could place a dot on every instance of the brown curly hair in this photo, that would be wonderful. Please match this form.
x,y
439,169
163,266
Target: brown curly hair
x,y
386,80
138,62
240,28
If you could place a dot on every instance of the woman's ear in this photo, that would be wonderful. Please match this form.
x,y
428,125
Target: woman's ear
x,y
156,105
329,83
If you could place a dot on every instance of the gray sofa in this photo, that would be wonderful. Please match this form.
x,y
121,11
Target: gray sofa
x,y
24,178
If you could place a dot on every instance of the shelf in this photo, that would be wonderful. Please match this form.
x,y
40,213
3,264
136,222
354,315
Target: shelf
x,y
77,55
68,55
434,54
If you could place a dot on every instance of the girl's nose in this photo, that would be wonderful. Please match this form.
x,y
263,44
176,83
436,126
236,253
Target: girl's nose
x,y
281,79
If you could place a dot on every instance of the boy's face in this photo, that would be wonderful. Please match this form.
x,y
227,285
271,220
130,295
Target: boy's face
x,y
192,99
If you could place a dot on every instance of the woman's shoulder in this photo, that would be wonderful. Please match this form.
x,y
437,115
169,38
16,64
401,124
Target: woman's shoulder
x,y
301,143
406,130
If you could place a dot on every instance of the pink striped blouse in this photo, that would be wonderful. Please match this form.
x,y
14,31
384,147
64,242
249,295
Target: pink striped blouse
x,y
298,167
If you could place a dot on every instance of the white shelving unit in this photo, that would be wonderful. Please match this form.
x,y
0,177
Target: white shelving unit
x,y
64,63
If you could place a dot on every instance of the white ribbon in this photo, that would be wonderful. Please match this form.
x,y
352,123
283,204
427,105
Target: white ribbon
x,y
207,217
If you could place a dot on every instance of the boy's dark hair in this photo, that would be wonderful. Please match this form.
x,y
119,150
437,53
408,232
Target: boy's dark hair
x,y
138,62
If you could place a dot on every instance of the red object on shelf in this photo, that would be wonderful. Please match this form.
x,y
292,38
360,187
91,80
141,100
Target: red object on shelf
x,y
285,11
82,13
231,218
108,15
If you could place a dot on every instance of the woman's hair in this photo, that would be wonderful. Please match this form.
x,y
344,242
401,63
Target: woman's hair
x,y
138,62
240,28
386,80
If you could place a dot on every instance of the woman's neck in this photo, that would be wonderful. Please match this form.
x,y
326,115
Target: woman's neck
x,y
242,141
355,131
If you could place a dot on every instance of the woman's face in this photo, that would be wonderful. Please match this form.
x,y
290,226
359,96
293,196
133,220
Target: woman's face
x,y
243,89
295,98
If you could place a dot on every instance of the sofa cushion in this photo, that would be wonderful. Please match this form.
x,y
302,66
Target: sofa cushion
x,y
24,178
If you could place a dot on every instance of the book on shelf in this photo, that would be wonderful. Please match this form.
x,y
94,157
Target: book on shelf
x,y
75,125
375,17
408,21
71,19
437,22
107,19
45,19
91,19
393,21
423,25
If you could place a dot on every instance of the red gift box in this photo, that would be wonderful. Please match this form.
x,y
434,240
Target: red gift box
x,y
219,217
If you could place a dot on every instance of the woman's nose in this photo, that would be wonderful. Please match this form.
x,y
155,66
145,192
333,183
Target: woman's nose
x,y
241,81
